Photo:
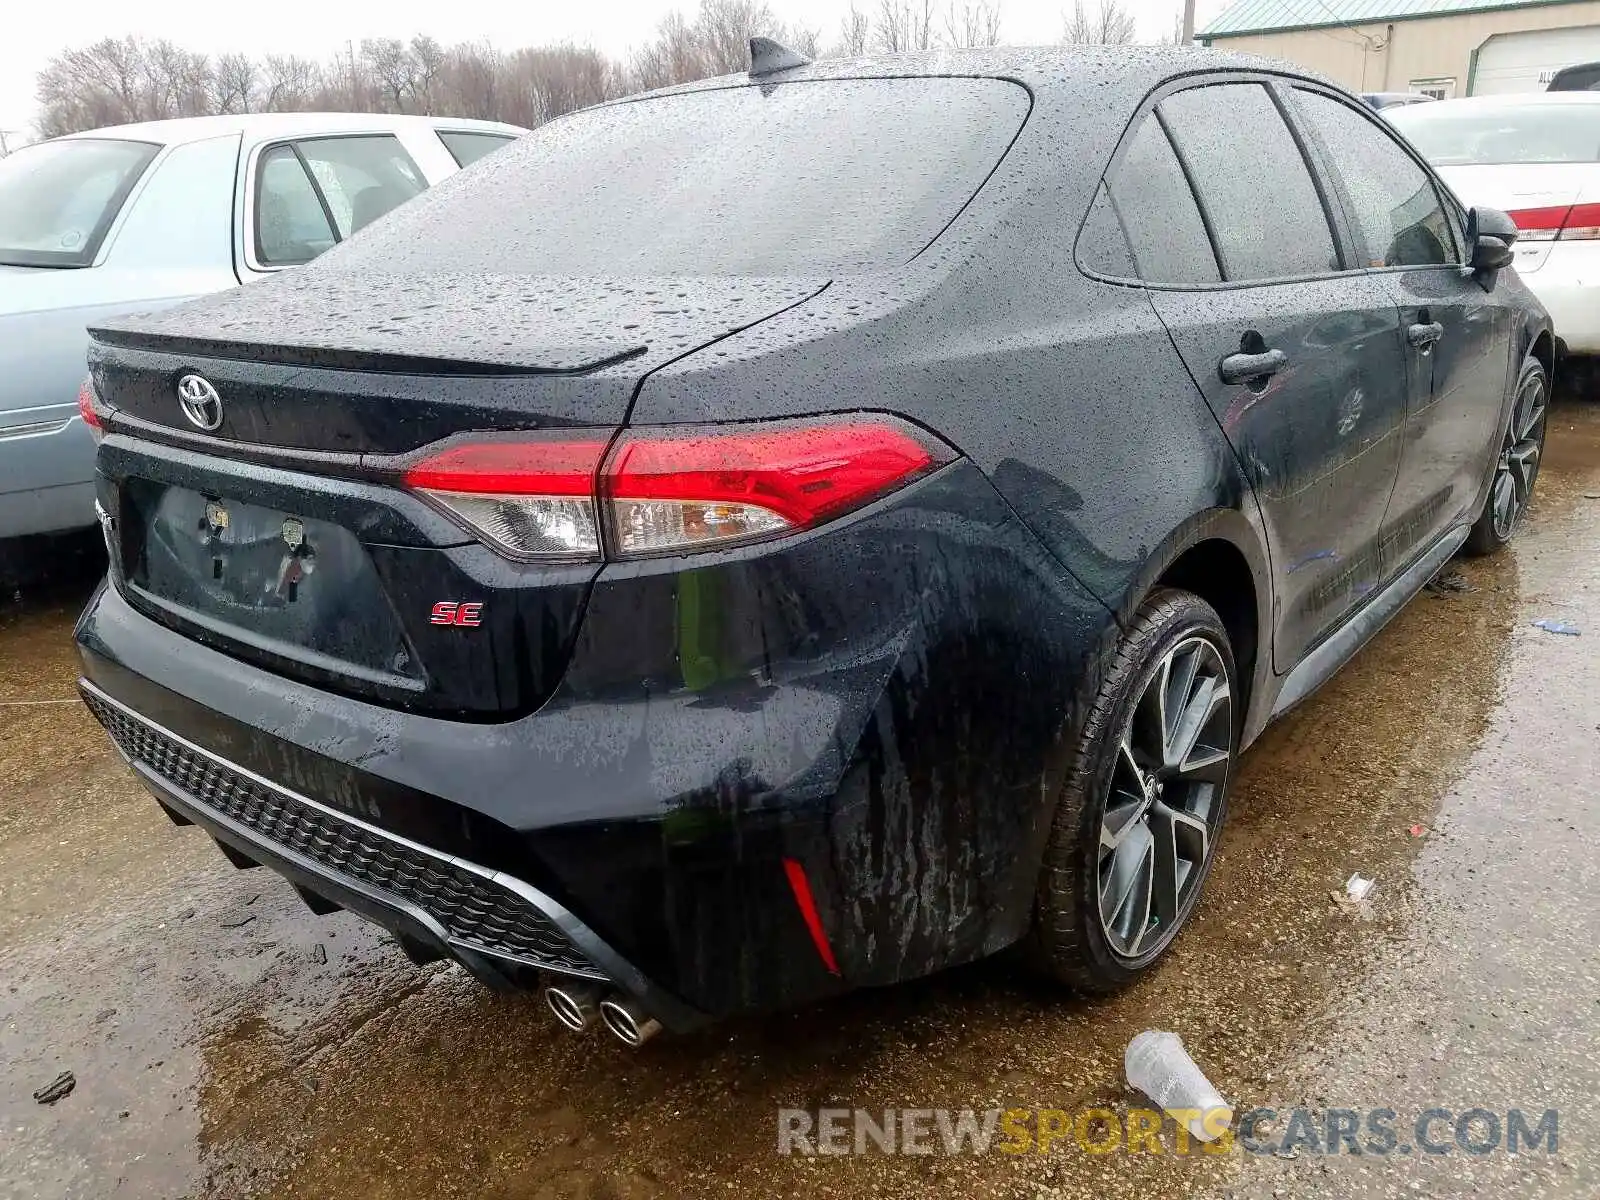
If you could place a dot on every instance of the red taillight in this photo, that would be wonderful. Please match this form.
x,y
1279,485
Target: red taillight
x,y
86,408
524,465
1566,222
529,496
669,489
1582,224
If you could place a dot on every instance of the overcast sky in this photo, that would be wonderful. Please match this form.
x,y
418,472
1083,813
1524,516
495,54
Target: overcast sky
x,y
32,31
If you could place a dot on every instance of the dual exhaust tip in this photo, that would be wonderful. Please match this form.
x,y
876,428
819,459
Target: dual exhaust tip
x,y
578,1005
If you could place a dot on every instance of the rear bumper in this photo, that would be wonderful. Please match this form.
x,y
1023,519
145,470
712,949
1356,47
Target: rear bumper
x,y
887,702
499,928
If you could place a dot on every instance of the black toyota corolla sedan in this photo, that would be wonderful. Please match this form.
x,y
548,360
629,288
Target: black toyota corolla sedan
x,y
799,531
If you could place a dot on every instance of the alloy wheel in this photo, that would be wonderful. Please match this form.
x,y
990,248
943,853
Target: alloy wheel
x,y
1519,458
1163,804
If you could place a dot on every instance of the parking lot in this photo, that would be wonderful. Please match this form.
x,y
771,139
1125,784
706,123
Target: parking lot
x,y
226,1042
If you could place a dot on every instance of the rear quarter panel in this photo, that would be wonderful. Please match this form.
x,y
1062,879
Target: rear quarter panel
x,y
1065,390
1066,393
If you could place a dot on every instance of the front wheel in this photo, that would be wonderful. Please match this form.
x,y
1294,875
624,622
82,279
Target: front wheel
x,y
1137,823
1521,448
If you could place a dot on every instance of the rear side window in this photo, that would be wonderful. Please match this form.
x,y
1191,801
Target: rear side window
x,y
812,177
468,147
58,199
1393,202
1252,182
291,224
1152,199
313,193
1102,246
361,178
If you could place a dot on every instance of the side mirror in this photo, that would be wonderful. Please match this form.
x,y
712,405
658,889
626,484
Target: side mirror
x,y
1491,234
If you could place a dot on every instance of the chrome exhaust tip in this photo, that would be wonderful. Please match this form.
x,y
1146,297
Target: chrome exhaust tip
x,y
573,1005
628,1021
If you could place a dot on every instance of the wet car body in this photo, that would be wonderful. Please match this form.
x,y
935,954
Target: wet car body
x,y
762,774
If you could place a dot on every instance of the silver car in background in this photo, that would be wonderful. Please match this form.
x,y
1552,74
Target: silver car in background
x,y
142,216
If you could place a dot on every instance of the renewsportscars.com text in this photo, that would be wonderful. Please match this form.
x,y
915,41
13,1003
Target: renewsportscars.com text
x,y
1333,1131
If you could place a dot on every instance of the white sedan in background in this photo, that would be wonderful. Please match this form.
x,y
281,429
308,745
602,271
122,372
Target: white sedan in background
x,y
1536,156
137,217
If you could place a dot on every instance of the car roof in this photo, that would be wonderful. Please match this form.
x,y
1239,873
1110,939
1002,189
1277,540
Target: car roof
x,y
297,124
1063,73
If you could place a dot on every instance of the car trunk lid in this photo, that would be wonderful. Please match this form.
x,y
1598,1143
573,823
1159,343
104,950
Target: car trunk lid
x,y
381,364
286,536
1525,189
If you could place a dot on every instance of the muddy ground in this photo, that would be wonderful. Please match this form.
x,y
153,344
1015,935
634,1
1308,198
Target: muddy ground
x,y
228,1043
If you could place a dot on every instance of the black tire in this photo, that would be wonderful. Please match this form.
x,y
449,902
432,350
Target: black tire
x,y
1517,468
1071,939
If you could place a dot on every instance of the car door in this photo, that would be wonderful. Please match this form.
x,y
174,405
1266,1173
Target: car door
x,y
1298,355
1457,365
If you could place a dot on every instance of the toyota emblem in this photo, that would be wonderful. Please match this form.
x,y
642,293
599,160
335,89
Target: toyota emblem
x,y
200,402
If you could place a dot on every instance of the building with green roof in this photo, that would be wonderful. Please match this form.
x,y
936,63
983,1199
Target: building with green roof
x,y
1440,47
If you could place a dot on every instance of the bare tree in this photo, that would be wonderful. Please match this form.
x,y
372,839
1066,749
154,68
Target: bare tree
x,y
672,56
904,25
393,70
347,84
715,42
972,24
96,85
803,40
724,29
474,78
234,84
178,81
117,80
430,60
855,33
550,81
290,83
1110,25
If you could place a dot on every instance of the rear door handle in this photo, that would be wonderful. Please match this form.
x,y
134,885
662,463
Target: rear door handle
x,y
1237,368
1424,335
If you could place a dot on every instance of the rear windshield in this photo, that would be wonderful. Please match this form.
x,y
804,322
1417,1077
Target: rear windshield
x,y
58,199
1450,136
799,178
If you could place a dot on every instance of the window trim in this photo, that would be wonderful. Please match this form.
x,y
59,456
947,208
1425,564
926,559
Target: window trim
x,y
1333,211
252,187
440,130
1441,193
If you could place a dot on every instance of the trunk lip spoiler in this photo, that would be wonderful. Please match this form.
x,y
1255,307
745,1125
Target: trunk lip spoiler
x,y
565,360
